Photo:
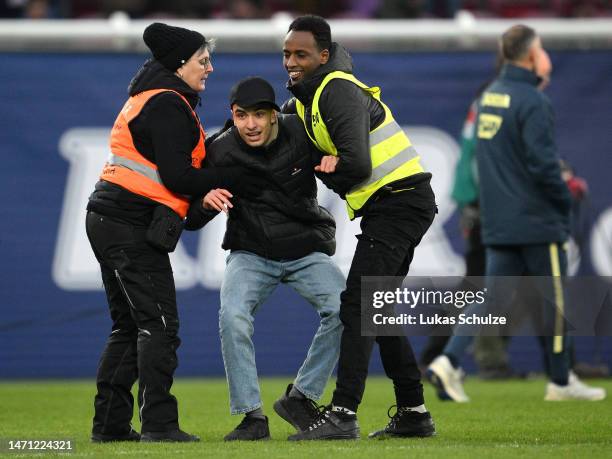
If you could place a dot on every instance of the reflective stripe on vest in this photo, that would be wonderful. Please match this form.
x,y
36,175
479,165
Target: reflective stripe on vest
x,y
391,152
388,166
142,169
129,169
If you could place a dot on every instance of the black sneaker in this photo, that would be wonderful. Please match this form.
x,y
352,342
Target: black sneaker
x,y
168,436
250,429
330,425
299,412
132,435
406,423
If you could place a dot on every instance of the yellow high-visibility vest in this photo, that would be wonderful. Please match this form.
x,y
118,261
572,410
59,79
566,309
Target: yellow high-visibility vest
x,y
392,154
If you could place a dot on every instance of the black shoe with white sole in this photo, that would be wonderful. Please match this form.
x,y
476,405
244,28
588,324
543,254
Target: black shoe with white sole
x,y
330,425
405,423
299,412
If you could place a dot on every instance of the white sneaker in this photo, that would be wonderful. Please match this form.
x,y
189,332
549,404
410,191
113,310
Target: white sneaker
x,y
575,390
447,380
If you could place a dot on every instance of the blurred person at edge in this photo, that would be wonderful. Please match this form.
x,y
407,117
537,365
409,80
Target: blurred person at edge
x,y
490,352
524,203
134,219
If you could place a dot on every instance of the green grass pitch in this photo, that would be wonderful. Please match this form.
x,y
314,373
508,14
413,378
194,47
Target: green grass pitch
x,y
505,419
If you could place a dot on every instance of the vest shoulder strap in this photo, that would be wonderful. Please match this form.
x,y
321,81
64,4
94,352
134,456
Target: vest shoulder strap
x,y
135,103
374,90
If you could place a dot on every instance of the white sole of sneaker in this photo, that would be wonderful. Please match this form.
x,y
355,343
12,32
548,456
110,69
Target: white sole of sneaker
x,y
439,379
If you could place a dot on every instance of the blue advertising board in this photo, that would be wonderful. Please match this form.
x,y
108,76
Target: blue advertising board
x,y
56,111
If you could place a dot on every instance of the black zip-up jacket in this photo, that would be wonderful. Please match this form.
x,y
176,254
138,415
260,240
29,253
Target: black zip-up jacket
x,y
349,114
165,132
285,222
523,199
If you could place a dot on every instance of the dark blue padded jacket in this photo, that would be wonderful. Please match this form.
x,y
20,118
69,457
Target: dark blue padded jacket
x,y
523,198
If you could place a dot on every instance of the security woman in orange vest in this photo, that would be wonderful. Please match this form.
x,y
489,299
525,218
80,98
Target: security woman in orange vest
x,y
134,218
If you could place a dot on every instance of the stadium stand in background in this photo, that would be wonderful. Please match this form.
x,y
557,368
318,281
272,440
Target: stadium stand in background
x,y
260,9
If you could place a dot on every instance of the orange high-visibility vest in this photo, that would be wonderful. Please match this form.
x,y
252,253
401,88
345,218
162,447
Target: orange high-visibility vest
x,y
129,169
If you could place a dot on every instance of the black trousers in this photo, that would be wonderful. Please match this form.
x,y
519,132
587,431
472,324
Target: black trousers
x,y
143,341
392,227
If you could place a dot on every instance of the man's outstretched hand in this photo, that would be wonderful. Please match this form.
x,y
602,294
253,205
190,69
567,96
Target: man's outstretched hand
x,y
218,199
328,164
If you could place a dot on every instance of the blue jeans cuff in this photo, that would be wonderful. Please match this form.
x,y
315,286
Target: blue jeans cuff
x,y
246,410
308,394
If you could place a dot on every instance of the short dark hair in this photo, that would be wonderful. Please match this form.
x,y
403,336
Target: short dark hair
x,y
317,26
516,41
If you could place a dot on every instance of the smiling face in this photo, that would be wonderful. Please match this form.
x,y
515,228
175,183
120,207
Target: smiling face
x,y
195,71
255,125
301,56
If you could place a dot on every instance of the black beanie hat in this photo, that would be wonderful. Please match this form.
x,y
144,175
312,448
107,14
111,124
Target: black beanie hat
x,y
172,46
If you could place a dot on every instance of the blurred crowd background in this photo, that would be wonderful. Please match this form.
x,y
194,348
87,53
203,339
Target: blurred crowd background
x,y
261,9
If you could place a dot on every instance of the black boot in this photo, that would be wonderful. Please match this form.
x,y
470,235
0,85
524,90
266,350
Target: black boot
x,y
168,436
250,429
299,412
330,425
132,435
405,423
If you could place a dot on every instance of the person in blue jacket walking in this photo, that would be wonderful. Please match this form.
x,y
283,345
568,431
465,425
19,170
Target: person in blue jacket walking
x,y
525,204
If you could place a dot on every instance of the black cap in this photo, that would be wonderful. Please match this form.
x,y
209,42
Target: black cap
x,y
172,46
253,91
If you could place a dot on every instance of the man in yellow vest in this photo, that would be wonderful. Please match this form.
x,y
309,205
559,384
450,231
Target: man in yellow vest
x,y
369,161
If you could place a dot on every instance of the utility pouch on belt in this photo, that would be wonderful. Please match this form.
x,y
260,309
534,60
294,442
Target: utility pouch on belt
x,y
165,229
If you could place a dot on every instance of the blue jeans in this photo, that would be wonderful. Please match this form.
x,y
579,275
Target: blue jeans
x,y
249,280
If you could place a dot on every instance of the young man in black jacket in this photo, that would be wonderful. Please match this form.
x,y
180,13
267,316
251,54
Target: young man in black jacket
x,y
369,162
280,236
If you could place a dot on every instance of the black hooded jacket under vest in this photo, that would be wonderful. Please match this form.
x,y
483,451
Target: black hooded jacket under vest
x,y
281,223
